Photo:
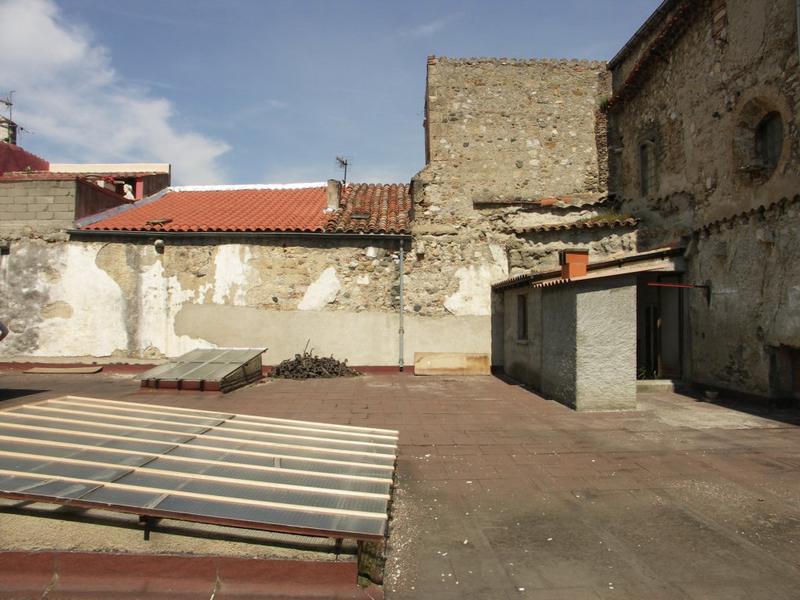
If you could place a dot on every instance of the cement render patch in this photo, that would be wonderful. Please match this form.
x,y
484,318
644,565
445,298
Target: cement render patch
x,y
502,494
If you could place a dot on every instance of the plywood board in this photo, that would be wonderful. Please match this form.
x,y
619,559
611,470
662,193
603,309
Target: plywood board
x,y
451,363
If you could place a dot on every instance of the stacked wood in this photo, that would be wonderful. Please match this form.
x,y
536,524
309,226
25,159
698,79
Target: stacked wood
x,y
309,366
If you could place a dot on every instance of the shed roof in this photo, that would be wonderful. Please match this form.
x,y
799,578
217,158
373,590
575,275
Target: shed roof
x,y
661,259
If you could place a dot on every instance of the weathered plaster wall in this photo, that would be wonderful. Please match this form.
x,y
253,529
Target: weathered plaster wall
x,y
126,300
606,344
523,357
753,266
581,346
559,322
700,101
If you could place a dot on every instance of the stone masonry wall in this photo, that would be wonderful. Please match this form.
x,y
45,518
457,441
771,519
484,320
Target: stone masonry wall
x,y
503,137
699,100
505,127
752,263
36,206
699,106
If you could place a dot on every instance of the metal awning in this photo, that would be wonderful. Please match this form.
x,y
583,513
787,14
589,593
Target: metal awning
x,y
209,467
219,369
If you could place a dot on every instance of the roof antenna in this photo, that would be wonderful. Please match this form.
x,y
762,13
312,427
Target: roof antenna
x,y
9,102
342,162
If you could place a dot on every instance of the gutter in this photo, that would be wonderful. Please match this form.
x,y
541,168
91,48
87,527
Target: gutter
x,y
323,235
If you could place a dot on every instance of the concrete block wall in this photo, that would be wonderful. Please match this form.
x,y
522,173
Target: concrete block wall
x,y
36,205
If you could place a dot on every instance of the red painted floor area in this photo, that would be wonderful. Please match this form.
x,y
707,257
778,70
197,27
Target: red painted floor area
x,y
502,494
86,575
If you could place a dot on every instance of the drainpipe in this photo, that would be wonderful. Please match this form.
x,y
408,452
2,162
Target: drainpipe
x,y
400,331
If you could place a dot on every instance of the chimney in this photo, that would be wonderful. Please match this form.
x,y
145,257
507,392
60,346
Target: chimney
x,y
334,194
574,263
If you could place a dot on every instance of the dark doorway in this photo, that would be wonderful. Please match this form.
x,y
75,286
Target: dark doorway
x,y
659,334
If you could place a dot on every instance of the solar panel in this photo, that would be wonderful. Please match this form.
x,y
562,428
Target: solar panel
x,y
205,466
218,369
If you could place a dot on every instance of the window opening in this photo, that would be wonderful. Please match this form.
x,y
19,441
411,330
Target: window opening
x,y
522,317
646,167
769,140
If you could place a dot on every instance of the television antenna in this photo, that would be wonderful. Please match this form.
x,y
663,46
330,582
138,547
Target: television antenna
x,y
342,163
9,102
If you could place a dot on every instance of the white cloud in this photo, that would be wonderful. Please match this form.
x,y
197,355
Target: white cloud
x,y
69,95
431,27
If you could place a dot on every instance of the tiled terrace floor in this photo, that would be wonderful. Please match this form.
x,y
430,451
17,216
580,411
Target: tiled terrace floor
x,y
502,494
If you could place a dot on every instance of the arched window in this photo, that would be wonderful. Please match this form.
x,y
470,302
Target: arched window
x,y
769,140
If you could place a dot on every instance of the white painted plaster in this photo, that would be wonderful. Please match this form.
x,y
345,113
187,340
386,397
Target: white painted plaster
x,y
474,293
160,300
231,273
500,257
474,296
97,324
321,292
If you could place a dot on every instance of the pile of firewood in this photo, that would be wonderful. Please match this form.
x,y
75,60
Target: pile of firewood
x,y
309,366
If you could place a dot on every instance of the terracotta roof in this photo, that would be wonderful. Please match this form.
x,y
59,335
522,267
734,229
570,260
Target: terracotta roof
x,y
600,224
366,208
372,208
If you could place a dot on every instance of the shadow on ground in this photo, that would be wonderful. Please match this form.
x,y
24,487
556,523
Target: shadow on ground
x,y
11,394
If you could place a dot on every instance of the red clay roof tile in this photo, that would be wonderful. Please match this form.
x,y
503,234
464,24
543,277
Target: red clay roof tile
x,y
365,208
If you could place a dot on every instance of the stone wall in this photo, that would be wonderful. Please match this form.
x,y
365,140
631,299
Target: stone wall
x,y
696,88
700,108
36,206
752,263
126,300
511,144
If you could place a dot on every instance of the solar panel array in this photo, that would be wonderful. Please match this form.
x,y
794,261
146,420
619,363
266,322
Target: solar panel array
x,y
217,369
211,467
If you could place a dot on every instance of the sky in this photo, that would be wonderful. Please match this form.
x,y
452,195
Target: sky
x,y
266,91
